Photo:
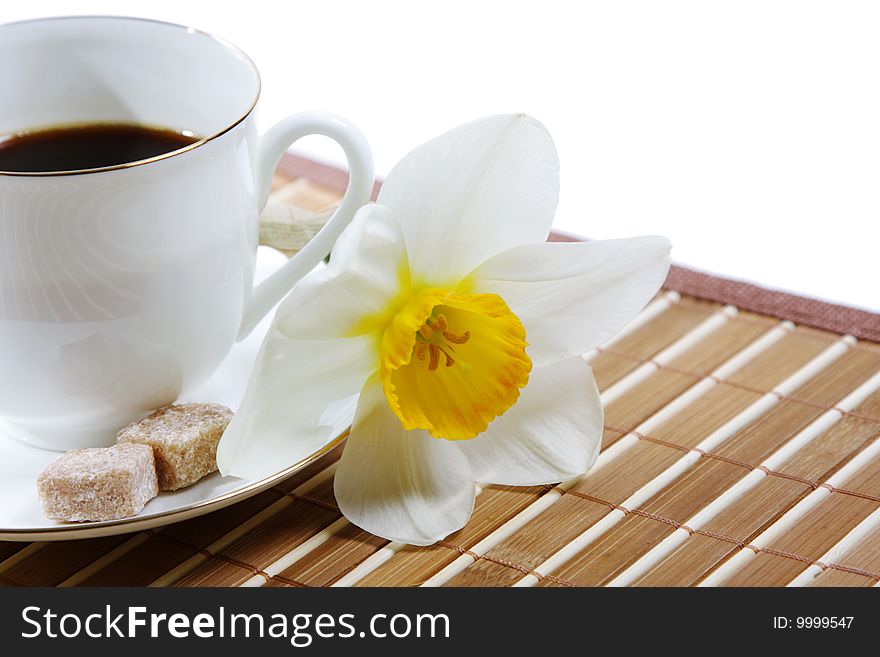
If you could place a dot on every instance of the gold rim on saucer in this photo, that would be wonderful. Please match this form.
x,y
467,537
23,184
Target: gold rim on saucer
x,y
71,531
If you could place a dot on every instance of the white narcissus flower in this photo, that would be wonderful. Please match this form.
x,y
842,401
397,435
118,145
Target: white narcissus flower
x,y
460,327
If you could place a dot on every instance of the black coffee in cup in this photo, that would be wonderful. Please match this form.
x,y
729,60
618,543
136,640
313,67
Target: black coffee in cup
x,y
87,146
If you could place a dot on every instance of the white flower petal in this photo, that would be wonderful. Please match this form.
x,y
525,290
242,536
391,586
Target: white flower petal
x,y
401,485
572,297
279,421
474,192
551,434
367,269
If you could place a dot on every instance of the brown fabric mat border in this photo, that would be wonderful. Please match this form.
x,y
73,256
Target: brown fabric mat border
x,y
832,317
825,315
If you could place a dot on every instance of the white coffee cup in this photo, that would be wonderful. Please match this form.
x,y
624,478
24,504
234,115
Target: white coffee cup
x,y
122,288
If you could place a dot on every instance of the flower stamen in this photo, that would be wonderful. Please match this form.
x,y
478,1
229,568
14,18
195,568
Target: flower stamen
x,y
439,325
434,338
421,350
454,338
435,356
451,362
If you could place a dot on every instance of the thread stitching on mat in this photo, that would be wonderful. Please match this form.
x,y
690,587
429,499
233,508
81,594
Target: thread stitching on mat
x,y
310,500
733,384
806,334
241,564
315,501
473,555
626,511
854,493
849,569
541,576
691,531
725,459
727,539
770,473
507,564
205,552
288,581
236,562
460,549
211,555
742,386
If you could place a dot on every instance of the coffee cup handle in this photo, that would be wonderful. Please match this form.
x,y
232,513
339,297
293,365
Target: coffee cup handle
x,y
360,187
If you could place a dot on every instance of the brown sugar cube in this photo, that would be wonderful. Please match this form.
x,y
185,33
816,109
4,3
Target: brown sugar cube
x,y
184,439
103,483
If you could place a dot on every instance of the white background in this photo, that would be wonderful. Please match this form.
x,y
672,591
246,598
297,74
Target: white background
x,y
748,132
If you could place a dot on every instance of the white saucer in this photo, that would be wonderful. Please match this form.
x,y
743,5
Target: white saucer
x,y
21,518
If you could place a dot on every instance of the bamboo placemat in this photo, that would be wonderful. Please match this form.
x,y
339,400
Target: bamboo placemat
x,y
740,448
